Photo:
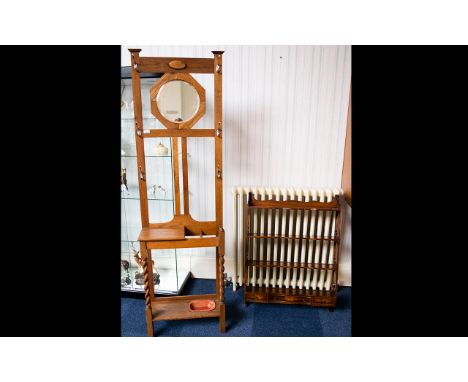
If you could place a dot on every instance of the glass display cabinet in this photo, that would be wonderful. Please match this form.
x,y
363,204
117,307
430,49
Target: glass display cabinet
x,y
172,267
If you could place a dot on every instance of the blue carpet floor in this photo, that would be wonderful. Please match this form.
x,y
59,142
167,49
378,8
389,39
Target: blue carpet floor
x,y
262,320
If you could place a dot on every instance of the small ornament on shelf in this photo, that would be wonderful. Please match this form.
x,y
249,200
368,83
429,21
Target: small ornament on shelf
x,y
158,191
140,278
161,150
123,180
139,274
125,280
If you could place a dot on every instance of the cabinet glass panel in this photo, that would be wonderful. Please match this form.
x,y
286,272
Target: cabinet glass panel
x,y
170,270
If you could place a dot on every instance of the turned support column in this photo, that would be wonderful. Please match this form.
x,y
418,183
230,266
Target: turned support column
x,y
148,283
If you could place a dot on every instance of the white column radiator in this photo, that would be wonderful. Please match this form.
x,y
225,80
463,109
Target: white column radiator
x,y
318,224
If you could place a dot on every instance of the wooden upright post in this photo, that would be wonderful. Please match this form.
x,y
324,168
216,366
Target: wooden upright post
x,y
140,149
175,164
218,119
185,175
149,292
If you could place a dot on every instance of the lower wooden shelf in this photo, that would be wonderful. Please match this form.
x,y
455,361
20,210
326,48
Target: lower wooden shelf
x,y
178,308
289,264
277,295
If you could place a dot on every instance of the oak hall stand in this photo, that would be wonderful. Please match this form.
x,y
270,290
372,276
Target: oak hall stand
x,y
182,231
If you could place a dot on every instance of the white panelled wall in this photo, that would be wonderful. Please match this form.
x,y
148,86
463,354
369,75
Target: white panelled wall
x,y
284,112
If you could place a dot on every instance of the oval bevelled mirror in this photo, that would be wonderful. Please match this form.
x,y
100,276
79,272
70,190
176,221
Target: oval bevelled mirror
x,y
178,101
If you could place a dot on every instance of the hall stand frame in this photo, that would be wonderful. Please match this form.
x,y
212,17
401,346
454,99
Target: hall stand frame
x,y
182,231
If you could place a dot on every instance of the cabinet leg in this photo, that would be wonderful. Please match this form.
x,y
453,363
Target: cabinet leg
x,y
149,323
222,318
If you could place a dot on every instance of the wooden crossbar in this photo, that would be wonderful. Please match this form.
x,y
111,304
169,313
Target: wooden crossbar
x,y
189,133
161,65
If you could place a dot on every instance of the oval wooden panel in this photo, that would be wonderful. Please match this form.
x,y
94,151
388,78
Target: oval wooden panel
x,y
177,64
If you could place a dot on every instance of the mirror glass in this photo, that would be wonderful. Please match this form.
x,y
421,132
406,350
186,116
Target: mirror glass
x,y
178,101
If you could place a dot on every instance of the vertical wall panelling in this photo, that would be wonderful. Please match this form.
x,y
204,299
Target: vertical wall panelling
x,y
284,111
346,177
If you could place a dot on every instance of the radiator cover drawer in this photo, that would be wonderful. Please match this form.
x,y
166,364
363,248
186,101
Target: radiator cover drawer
x,y
290,296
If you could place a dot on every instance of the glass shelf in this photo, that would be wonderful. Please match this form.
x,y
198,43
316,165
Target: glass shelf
x,y
171,282
132,119
149,198
133,193
172,265
147,156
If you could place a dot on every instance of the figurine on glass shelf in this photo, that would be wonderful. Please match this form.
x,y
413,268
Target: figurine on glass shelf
x,y
123,179
139,274
158,191
124,273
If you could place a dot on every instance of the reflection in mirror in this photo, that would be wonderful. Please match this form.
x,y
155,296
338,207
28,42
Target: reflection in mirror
x,y
178,101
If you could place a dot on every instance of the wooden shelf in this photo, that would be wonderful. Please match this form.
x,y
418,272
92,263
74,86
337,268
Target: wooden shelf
x,y
334,205
290,291
179,234
287,264
178,308
292,237
162,234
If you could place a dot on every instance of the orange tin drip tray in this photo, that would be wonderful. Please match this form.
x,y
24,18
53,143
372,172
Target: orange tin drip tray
x,y
202,305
